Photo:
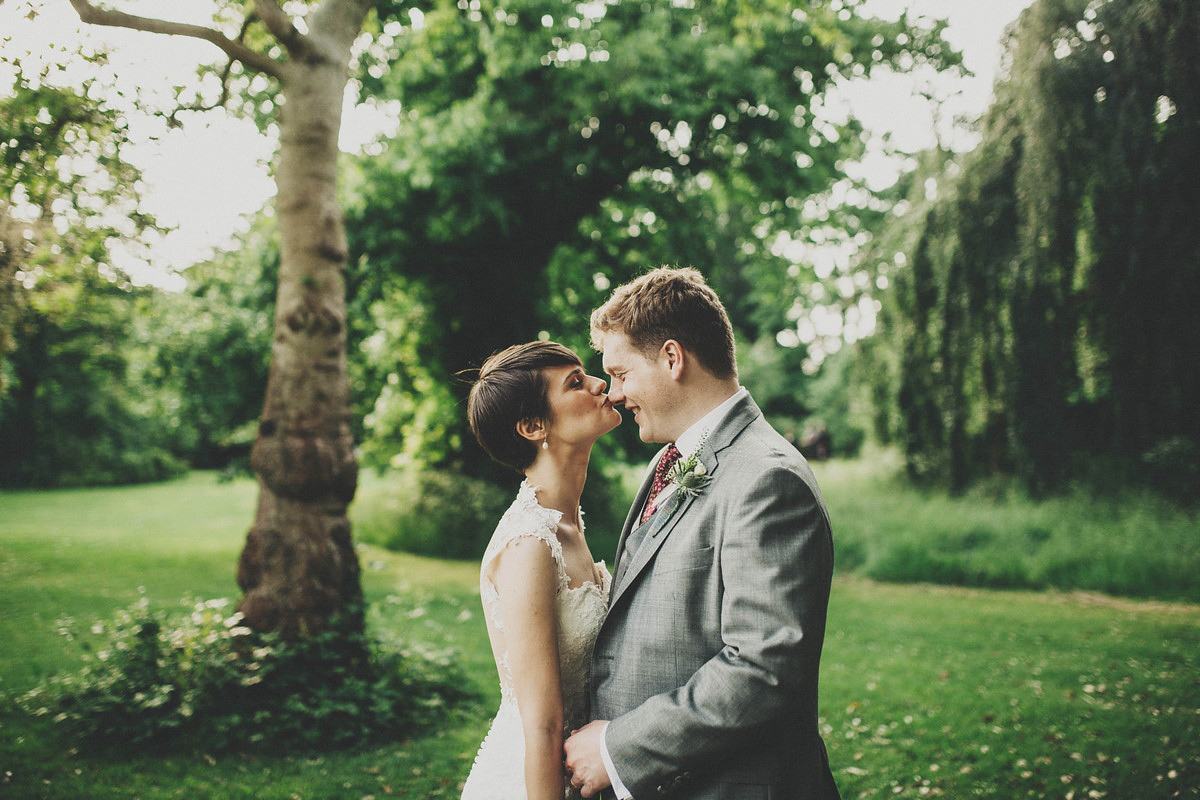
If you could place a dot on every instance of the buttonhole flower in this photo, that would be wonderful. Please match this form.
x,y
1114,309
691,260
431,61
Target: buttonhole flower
x,y
689,475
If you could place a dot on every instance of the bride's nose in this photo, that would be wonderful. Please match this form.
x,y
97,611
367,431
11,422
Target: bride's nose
x,y
598,385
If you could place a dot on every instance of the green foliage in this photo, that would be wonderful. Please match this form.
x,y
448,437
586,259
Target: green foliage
x,y
72,416
206,350
433,512
1174,466
1128,543
1042,317
43,125
202,679
68,415
411,419
105,382
800,409
450,515
550,150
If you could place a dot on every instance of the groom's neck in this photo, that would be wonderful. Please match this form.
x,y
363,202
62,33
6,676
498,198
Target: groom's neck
x,y
697,398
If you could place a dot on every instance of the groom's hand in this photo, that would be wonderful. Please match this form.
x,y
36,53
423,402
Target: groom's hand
x,y
584,762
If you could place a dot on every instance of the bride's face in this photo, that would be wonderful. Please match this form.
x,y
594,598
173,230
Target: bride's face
x,y
579,408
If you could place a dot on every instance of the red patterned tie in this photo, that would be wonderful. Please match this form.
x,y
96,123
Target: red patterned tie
x,y
660,479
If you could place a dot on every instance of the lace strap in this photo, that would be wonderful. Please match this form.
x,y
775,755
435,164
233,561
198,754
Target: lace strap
x,y
524,518
549,539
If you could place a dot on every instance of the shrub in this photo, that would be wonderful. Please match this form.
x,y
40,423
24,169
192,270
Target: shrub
x,y
1133,542
1173,467
448,515
202,679
434,513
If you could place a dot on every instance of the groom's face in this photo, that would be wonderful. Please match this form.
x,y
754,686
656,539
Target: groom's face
x,y
643,385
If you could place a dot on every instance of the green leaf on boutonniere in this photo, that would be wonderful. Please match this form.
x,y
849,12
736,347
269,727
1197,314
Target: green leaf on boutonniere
x,y
689,476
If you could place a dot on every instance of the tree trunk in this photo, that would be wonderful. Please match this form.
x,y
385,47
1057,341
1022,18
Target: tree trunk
x,y
299,570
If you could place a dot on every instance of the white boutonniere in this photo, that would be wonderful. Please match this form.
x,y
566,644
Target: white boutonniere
x,y
689,475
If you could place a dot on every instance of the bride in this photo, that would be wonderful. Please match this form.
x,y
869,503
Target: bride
x,y
534,409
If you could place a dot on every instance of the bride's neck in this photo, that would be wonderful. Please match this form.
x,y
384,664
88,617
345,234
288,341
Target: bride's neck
x,y
560,475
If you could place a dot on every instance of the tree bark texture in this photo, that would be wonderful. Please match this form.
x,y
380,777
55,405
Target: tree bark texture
x,y
299,569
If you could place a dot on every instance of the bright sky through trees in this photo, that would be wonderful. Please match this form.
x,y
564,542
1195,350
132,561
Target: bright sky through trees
x,y
204,178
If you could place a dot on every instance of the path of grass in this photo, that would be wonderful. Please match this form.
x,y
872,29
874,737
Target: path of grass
x,y
926,691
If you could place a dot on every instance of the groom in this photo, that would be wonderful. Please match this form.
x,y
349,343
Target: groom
x,y
704,674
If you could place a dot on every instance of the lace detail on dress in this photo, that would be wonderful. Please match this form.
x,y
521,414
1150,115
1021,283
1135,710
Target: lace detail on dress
x,y
525,517
499,770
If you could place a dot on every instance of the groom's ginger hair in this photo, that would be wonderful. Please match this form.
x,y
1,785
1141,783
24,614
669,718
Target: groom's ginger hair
x,y
670,303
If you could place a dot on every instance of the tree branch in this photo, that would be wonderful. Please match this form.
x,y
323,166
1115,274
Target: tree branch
x,y
234,49
173,117
278,23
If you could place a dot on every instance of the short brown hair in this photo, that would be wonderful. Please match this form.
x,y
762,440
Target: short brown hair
x,y
668,303
510,388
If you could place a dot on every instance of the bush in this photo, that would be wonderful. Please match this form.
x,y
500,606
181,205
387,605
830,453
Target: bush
x,y
445,514
204,680
1134,542
1173,468
434,513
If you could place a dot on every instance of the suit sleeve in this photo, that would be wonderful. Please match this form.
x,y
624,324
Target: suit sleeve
x,y
776,564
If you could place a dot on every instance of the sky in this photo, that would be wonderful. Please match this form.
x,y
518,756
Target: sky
x,y
205,179
891,103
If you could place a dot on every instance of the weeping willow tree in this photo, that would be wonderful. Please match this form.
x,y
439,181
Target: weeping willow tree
x,y
1044,315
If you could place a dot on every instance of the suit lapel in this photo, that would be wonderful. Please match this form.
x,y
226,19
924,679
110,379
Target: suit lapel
x,y
661,525
663,522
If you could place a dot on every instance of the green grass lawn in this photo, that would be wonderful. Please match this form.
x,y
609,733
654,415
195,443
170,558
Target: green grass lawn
x,y
926,690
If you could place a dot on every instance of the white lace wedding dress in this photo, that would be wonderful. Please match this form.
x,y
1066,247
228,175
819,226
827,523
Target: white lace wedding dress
x,y
499,770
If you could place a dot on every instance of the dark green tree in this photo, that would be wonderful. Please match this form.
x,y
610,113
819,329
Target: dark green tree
x,y
208,347
548,150
68,414
1043,322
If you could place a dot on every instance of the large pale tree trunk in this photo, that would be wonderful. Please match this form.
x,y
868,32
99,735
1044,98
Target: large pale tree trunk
x,y
299,566
299,570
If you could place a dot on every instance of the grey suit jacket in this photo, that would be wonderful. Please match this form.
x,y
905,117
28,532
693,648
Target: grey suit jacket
x,y
707,662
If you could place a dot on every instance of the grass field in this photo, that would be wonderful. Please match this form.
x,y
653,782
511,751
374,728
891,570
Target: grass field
x,y
926,690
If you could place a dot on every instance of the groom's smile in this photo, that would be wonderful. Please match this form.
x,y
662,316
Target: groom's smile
x,y
637,384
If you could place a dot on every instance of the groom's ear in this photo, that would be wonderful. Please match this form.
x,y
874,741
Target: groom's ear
x,y
532,429
674,357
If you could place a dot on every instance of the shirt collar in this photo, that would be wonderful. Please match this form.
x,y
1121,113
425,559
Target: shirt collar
x,y
690,440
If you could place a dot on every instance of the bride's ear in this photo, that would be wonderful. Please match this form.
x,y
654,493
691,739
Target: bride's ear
x,y
532,429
